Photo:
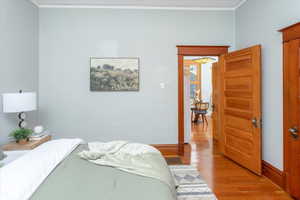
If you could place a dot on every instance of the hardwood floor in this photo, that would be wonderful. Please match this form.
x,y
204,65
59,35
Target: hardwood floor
x,y
228,180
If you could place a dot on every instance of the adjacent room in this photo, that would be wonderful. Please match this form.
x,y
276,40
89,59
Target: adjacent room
x,y
144,100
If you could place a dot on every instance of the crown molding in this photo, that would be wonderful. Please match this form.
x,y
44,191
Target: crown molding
x,y
137,7
35,2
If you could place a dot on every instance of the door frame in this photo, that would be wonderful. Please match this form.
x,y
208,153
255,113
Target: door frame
x,y
215,117
288,34
190,50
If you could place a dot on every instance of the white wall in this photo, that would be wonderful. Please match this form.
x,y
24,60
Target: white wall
x,y
68,37
18,56
258,22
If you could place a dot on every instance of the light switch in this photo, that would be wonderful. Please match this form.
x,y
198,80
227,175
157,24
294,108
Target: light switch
x,y
162,85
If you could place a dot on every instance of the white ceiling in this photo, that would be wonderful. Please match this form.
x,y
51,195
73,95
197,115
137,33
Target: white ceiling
x,y
162,4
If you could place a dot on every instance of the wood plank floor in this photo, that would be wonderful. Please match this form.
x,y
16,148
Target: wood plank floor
x,y
228,180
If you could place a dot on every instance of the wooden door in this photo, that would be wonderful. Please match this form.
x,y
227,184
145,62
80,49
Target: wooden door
x,y
215,100
241,107
292,116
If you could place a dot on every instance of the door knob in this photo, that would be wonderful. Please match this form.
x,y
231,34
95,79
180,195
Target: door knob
x,y
294,132
254,122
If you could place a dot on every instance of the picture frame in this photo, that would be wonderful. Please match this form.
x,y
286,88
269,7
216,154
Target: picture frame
x,y
114,74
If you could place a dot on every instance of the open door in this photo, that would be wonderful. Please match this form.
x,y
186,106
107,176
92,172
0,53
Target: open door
x,y
241,107
292,116
215,101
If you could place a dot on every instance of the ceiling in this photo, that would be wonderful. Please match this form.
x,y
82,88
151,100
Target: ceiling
x,y
154,4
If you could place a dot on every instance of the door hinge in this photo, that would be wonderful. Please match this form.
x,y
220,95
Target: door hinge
x,y
261,123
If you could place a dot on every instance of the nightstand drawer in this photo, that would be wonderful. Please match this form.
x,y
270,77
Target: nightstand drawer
x,y
13,146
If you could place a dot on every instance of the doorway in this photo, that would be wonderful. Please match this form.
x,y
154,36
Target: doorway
x,y
184,50
198,89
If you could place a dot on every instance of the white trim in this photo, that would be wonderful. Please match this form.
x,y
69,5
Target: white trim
x,y
240,4
137,7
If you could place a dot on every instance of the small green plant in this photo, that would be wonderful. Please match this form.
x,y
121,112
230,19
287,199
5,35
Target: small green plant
x,y
21,134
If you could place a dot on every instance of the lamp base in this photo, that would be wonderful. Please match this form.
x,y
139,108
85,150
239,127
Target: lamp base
x,y
22,122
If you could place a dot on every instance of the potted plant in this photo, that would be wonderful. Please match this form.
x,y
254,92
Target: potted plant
x,y
21,135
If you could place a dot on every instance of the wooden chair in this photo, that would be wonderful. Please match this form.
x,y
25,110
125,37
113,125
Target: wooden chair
x,y
201,109
193,108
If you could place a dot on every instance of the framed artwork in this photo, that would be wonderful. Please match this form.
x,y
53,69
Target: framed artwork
x,y
114,74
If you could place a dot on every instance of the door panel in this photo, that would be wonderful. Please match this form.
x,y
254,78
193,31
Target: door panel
x,y
215,101
240,105
239,123
292,116
239,114
240,144
239,83
239,134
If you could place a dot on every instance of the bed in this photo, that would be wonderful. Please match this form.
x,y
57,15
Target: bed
x,y
54,171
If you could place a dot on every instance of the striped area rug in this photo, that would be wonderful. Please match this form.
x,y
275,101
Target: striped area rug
x,y
191,185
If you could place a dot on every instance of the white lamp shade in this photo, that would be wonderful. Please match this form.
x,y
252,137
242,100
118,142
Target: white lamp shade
x,y
19,102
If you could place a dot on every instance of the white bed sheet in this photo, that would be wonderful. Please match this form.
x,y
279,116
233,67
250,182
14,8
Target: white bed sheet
x,y
21,177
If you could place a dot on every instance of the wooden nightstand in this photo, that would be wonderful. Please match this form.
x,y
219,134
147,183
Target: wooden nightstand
x,y
13,146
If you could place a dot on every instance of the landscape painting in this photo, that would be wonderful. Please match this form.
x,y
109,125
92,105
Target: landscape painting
x,y
114,74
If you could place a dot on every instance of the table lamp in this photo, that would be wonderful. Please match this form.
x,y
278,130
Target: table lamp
x,y
19,103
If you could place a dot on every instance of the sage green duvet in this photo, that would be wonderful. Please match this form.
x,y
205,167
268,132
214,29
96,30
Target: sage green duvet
x,y
78,179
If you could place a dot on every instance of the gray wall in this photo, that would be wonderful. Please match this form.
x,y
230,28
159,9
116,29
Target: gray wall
x,y
68,37
258,22
18,55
